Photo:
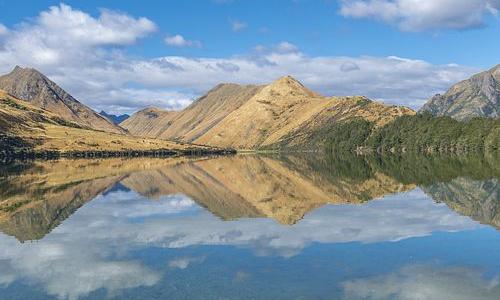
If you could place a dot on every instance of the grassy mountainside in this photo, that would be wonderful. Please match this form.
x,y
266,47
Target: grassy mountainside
x,y
281,114
478,96
193,121
208,111
26,127
148,122
35,88
286,113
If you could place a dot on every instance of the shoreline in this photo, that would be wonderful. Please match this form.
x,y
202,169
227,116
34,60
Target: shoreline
x,y
55,154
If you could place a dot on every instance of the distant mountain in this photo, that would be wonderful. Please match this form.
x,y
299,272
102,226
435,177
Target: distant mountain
x,y
148,122
116,119
478,96
32,86
283,113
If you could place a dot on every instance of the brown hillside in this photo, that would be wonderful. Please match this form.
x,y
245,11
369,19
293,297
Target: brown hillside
x,y
208,111
26,126
285,108
34,87
148,122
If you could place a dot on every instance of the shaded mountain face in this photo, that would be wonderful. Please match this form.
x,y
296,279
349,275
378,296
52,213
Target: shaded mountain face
x,y
283,113
116,119
34,87
478,96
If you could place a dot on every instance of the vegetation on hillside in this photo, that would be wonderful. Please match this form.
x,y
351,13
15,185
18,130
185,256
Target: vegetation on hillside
x,y
417,133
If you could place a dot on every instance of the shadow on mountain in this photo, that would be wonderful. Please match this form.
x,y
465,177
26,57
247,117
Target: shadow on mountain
x,y
35,197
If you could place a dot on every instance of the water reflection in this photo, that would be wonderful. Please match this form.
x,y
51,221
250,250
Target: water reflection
x,y
130,228
425,282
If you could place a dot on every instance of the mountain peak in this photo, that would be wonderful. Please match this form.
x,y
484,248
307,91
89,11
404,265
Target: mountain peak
x,y
477,96
287,85
20,71
30,85
495,69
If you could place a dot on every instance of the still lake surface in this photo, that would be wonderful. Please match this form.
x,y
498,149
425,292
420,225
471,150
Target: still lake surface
x,y
251,227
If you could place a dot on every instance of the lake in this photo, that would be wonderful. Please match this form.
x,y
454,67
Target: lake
x,y
251,227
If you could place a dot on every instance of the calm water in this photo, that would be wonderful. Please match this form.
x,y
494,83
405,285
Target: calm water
x,y
251,227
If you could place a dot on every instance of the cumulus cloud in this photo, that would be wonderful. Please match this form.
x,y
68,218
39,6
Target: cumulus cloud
x,y
179,41
425,282
84,55
411,15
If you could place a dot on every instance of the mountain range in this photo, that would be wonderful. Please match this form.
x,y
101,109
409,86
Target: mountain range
x,y
115,119
36,113
283,113
478,96
24,126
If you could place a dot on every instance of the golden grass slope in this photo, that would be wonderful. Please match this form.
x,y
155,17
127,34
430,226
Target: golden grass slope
x,y
193,121
42,130
34,87
148,122
285,106
206,112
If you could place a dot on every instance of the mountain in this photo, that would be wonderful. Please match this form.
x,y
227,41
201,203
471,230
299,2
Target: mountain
x,y
208,111
286,112
24,126
478,96
283,113
115,119
194,120
34,87
148,122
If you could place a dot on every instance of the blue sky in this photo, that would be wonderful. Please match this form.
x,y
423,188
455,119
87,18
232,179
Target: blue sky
x,y
131,54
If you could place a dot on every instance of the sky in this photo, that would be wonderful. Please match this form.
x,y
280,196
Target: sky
x,y
122,56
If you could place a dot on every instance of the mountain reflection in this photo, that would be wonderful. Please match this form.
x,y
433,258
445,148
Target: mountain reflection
x,y
35,197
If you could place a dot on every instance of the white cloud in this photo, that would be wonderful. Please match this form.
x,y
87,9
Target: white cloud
x,y
179,41
421,15
425,282
83,54
184,262
237,26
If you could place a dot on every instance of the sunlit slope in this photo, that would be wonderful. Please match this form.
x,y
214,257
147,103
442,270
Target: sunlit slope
x,y
148,122
25,126
34,87
208,111
286,109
